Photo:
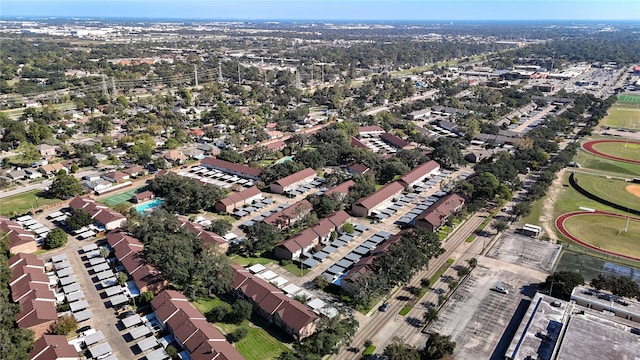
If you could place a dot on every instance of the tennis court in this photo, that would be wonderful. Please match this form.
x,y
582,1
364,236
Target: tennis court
x,y
113,200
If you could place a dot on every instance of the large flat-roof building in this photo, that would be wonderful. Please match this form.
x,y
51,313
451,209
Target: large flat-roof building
x,y
554,329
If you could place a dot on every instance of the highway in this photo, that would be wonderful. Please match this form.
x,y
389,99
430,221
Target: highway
x,y
381,327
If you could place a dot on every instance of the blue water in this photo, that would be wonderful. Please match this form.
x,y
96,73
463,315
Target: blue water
x,y
149,205
284,159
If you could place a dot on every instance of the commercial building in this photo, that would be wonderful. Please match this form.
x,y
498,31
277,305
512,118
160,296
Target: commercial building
x,y
554,329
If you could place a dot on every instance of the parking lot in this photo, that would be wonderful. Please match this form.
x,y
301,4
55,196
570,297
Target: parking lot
x,y
526,251
476,315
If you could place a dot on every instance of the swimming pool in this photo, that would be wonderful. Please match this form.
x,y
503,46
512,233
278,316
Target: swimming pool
x,y
148,206
284,159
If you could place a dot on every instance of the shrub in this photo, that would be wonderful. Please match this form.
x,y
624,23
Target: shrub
x,y
237,334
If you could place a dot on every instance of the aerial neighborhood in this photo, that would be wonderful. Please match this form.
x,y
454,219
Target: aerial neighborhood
x,y
215,190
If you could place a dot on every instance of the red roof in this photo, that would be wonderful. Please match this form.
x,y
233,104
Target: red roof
x,y
341,189
226,165
16,234
369,129
438,213
373,199
415,174
295,177
36,312
394,140
50,347
24,259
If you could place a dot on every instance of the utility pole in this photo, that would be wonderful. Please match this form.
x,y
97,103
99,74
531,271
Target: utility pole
x,y
195,73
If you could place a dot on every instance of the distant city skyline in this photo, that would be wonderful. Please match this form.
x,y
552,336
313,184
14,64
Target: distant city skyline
x,y
409,10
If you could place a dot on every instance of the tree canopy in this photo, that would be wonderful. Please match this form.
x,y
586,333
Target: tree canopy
x,y
65,186
188,266
184,195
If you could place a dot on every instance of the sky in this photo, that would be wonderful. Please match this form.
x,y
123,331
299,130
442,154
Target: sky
x,y
331,9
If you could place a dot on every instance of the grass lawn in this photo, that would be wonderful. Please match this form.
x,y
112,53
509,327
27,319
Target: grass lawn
x,y
622,115
609,189
293,268
606,166
369,350
628,151
534,215
604,232
405,310
23,202
629,98
440,271
570,200
204,305
259,342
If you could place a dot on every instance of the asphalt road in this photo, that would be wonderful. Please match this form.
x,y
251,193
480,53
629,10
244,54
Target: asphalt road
x,y
381,327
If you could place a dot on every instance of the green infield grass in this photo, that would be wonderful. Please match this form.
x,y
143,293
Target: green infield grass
x,y
622,115
23,202
606,232
614,190
629,151
606,166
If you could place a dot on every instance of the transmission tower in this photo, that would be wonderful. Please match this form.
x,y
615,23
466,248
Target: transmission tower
x,y
105,91
113,87
220,79
298,84
195,73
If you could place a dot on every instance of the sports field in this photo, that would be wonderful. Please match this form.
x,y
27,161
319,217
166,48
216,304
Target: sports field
x,y
627,150
23,202
615,190
623,115
606,166
606,233
629,98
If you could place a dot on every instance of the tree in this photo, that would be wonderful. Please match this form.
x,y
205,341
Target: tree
x,y
237,334
560,284
473,262
78,219
260,237
172,352
438,347
430,315
446,151
65,186
522,209
146,297
618,285
122,278
217,313
398,350
55,238
220,226
500,226
240,311
231,156
66,324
